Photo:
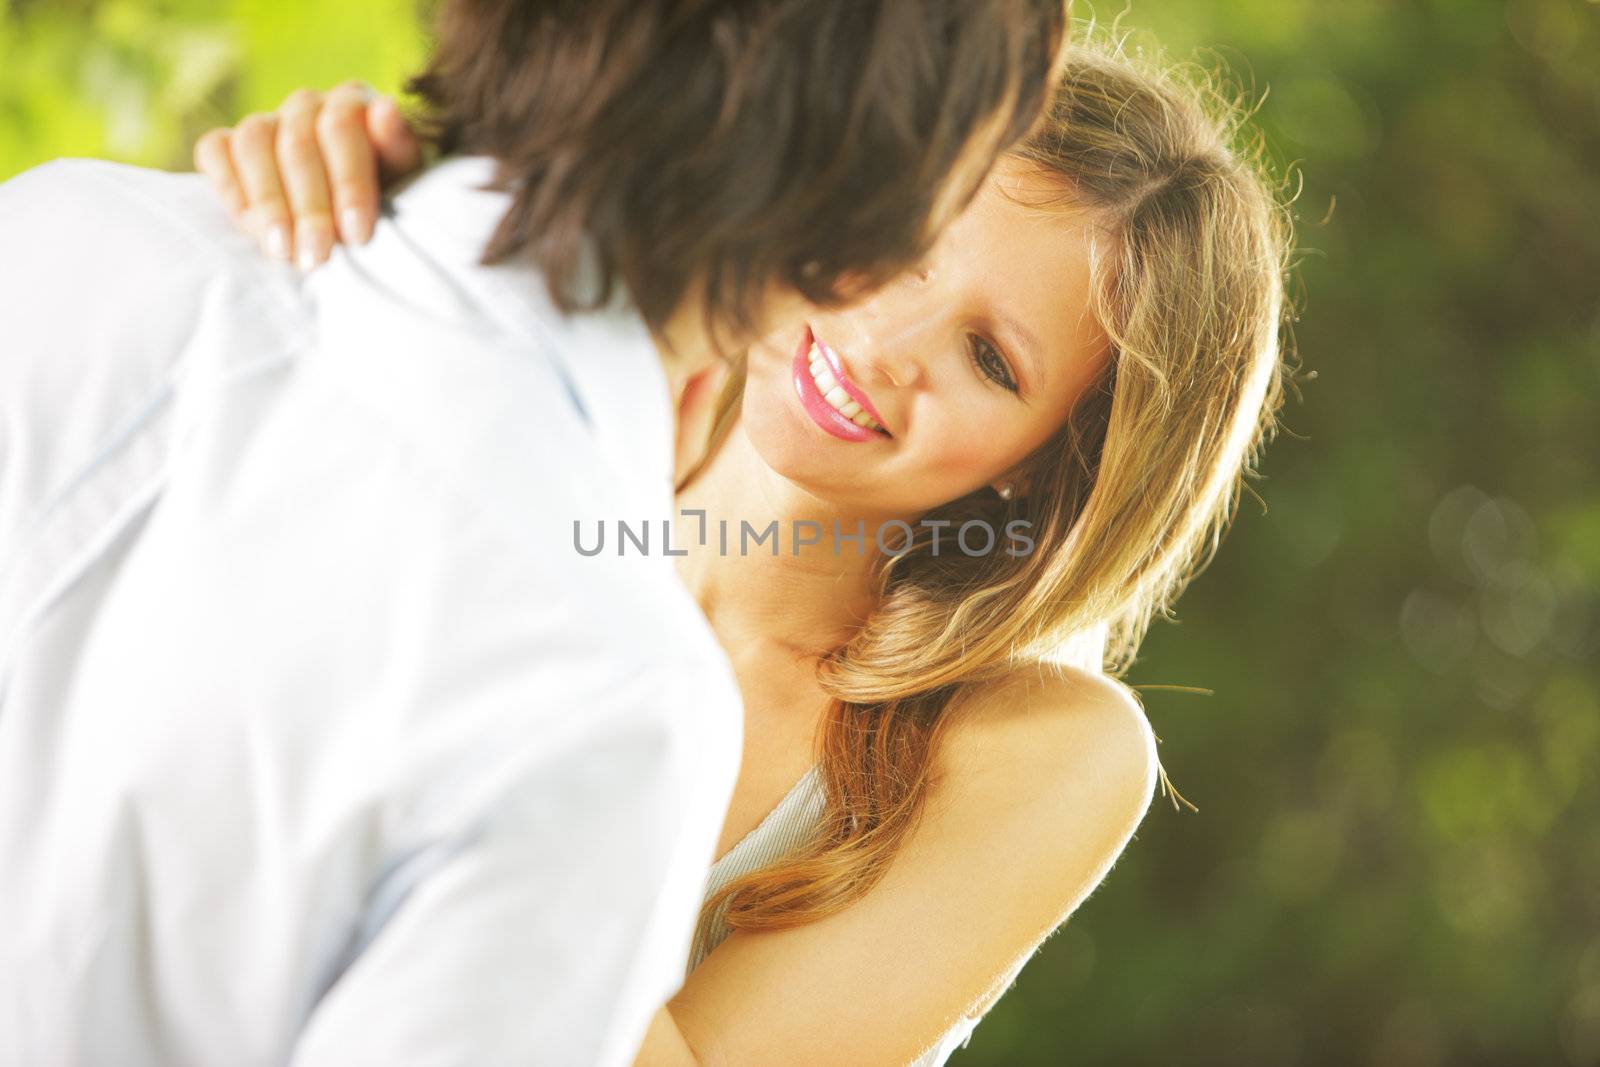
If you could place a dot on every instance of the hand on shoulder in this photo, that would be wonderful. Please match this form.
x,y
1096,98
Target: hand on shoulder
x,y
309,175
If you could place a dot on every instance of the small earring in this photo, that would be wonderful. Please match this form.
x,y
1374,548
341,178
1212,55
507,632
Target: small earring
x,y
1006,491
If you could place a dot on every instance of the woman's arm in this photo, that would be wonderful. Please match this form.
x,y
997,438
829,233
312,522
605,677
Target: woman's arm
x,y
309,173
1037,791
1039,788
665,1046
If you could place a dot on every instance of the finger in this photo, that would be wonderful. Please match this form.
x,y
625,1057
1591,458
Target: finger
x,y
304,179
353,90
213,157
352,161
399,149
255,160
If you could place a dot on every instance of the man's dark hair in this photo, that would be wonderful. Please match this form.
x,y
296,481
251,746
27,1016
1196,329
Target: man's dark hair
x,y
732,144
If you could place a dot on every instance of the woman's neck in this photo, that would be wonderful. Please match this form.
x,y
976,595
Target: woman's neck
x,y
806,598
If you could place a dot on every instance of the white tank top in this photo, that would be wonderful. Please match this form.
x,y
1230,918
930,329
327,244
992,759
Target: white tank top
x,y
797,816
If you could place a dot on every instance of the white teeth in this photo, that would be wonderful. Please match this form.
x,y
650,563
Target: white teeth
x,y
834,393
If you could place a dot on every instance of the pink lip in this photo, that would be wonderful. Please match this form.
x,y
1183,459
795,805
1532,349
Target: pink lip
x,y
851,388
823,413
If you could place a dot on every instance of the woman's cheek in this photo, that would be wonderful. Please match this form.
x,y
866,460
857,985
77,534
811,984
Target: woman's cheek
x,y
966,458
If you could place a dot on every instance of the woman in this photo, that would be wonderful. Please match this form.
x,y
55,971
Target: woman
x,y
940,764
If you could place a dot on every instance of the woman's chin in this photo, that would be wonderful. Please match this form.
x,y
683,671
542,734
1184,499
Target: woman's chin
x,y
792,453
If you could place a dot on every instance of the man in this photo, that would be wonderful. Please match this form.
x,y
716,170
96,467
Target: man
x,y
318,742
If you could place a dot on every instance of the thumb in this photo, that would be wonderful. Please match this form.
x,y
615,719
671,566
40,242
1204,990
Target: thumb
x,y
399,150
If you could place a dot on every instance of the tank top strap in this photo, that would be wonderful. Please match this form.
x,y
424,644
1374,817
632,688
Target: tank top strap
x,y
785,828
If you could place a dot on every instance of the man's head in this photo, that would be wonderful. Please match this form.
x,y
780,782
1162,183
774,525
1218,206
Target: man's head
x,y
721,151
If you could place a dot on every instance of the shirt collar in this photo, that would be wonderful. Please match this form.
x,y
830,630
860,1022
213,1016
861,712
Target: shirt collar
x,y
607,357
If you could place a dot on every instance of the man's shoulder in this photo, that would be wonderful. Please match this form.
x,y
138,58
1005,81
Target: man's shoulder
x,y
107,248
115,279
94,185
105,201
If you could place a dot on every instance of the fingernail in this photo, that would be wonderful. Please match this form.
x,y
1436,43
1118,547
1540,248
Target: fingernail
x,y
353,224
312,243
278,241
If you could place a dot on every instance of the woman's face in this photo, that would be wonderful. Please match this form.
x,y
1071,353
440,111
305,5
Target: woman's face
x,y
968,364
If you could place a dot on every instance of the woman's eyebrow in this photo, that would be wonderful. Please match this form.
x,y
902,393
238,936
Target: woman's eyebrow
x,y
1024,343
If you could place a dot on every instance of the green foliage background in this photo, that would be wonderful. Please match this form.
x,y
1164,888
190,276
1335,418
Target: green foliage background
x,y
1395,859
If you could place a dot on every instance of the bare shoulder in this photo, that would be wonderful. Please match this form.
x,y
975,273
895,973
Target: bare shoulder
x,y
1052,721
1071,747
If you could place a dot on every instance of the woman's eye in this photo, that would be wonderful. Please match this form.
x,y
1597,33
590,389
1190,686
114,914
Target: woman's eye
x,y
992,365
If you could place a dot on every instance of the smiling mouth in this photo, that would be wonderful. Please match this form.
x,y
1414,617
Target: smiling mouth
x,y
840,394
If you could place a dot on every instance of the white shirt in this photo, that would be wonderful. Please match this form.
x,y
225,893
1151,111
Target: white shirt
x,y
319,742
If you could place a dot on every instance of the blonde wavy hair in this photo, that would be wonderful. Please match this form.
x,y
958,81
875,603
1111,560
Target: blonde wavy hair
x,y
1128,501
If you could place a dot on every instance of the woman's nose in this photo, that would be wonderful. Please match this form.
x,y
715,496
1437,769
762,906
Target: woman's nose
x,y
895,356
899,373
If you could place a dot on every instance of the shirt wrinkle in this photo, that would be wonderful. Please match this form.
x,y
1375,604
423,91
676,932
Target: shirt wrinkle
x,y
319,741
